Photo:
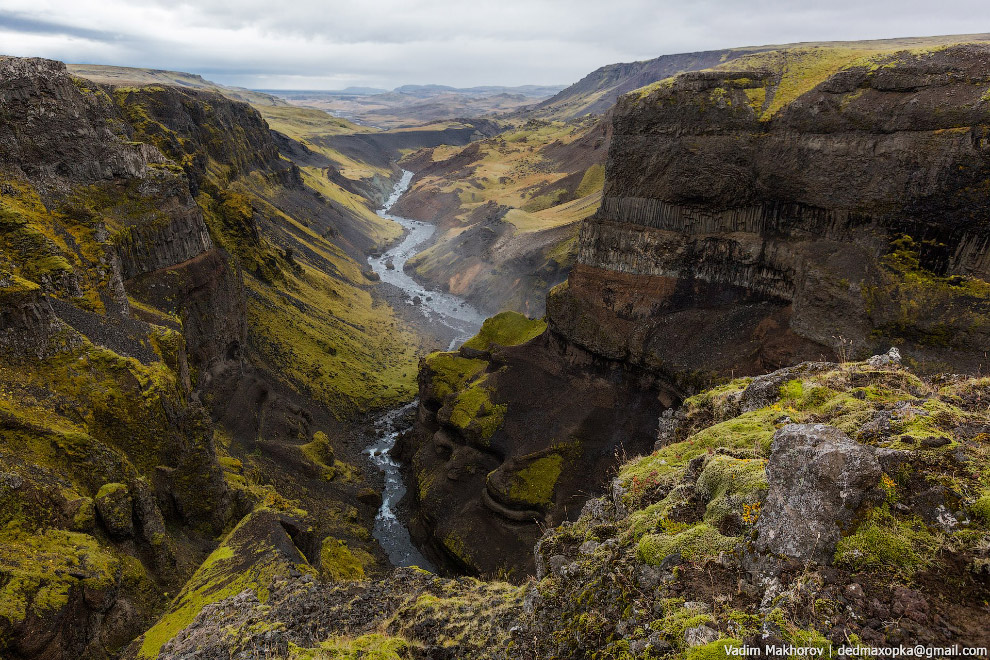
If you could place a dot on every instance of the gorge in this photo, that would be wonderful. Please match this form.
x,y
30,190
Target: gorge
x,y
251,404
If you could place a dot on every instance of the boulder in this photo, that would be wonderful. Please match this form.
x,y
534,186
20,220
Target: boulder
x,y
817,477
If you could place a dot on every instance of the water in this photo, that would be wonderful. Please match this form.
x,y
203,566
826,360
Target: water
x,y
444,308
389,530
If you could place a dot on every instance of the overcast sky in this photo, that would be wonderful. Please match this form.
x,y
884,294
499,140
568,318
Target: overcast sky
x,y
308,44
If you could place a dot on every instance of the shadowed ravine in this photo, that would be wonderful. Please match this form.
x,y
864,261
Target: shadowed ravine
x,y
445,308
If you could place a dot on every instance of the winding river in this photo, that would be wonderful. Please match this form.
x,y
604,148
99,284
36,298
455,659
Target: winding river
x,y
444,308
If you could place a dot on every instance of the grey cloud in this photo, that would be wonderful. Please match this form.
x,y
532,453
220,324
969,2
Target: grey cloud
x,y
17,22
313,44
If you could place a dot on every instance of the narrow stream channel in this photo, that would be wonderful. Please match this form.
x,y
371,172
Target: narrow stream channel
x,y
450,310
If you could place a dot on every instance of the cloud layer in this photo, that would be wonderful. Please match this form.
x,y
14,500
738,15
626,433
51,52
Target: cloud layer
x,y
309,44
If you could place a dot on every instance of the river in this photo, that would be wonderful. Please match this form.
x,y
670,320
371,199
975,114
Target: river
x,y
444,308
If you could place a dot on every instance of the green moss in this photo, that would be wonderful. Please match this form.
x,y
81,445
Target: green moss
x,y
885,542
752,431
697,543
909,298
110,489
41,569
450,372
714,650
535,483
811,639
474,411
367,647
456,546
732,486
506,329
981,508
319,451
338,563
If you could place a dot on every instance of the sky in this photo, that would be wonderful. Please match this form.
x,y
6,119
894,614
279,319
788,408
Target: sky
x,y
308,44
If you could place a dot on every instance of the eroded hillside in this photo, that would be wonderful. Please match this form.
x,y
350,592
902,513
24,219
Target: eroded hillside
x,y
186,318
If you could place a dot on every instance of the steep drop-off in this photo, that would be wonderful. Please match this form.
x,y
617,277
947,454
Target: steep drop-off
x,y
747,223
183,322
788,205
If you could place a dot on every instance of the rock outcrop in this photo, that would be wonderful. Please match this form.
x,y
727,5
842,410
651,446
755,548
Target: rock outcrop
x,y
818,479
493,463
746,225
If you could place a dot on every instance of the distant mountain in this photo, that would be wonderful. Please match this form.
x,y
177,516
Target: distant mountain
x,y
409,105
137,77
598,91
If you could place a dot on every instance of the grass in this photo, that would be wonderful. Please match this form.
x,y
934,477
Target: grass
x,y
506,329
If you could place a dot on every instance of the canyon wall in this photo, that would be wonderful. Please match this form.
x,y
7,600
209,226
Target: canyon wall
x,y
794,205
173,323
740,231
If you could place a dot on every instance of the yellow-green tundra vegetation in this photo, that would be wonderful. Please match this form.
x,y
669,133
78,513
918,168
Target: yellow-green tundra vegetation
x,y
691,508
537,179
786,73
462,382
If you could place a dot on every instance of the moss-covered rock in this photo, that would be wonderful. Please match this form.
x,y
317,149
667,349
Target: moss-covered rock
x,y
116,509
506,329
339,563
257,551
674,563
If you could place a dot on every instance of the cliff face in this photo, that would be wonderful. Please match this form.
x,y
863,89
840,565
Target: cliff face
x,y
173,326
787,206
103,443
742,230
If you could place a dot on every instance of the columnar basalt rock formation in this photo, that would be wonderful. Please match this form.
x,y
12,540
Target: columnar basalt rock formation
x,y
741,230
793,205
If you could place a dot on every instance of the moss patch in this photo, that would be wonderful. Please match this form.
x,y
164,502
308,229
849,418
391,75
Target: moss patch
x,y
885,542
338,562
697,543
506,329
534,484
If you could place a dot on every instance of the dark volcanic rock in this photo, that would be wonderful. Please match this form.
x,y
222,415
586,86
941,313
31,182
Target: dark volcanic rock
x,y
484,497
735,240
818,478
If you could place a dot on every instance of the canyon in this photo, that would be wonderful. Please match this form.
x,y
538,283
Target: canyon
x,y
249,392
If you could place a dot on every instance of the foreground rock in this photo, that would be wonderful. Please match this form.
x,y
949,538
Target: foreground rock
x,y
818,479
412,614
674,562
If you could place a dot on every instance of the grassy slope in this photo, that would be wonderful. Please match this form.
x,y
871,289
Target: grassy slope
x,y
716,461
576,100
799,68
546,198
